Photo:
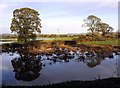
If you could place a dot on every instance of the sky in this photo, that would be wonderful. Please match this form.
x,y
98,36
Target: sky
x,y
67,16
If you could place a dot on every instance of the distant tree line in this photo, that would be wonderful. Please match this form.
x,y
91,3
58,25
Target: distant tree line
x,y
11,36
8,36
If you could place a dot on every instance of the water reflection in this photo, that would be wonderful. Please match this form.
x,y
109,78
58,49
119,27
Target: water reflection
x,y
118,67
92,61
26,68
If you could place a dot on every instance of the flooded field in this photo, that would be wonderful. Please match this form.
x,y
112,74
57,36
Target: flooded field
x,y
20,68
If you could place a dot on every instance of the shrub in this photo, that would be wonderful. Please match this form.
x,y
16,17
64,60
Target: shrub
x,y
118,35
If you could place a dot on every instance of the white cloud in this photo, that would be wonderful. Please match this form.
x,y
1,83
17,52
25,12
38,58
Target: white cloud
x,y
1,26
108,5
65,25
3,5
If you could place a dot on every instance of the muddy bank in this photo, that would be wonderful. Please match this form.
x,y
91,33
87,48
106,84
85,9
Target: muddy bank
x,y
101,83
38,47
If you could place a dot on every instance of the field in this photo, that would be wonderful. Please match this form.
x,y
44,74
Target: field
x,y
106,42
113,41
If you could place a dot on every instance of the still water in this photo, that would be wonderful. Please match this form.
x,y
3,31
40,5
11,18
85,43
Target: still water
x,y
43,69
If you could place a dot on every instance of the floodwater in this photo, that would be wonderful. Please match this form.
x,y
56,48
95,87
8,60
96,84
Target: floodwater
x,y
43,69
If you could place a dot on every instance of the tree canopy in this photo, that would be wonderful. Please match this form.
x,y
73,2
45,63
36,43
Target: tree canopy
x,y
25,23
95,24
92,22
104,28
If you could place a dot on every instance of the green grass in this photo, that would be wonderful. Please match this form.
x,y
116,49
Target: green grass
x,y
60,39
106,42
63,39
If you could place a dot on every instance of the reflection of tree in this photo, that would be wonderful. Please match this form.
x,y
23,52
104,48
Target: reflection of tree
x,y
93,61
26,68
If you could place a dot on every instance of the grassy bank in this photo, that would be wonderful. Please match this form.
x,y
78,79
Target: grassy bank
x,y
115,42
111,41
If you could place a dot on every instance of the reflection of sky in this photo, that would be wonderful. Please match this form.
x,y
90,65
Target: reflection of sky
x,y
7,73
119,66
60,72
66,16
6,63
